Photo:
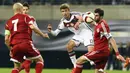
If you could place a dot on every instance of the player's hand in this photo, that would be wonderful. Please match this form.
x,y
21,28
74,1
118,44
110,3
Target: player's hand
x,y
76,26
127,62
121,58
49,27
46,36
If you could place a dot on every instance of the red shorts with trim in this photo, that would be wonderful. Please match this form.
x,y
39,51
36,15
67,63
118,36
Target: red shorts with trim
x,y
24,49
99,57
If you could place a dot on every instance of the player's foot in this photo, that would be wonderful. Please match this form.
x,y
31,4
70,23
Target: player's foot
x,y
127,62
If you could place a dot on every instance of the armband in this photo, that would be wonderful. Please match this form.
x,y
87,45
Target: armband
x,y
7,32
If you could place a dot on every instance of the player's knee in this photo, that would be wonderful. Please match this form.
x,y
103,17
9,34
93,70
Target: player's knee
x,y
80,60
70,45
90,48
16,65
40,59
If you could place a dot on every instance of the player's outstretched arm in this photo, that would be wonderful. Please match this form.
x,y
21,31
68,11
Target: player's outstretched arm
x,y
54,33
37,31
114,45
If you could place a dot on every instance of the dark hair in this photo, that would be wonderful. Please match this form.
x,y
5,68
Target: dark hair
x,y
26,4
99,11
65,6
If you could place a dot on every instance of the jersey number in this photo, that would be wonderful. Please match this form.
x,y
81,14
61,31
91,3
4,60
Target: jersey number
x,y
15,22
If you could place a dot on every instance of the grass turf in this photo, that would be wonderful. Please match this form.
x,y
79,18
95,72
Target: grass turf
x,y
8,70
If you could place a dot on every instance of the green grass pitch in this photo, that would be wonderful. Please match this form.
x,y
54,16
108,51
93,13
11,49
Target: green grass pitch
x,y
8,70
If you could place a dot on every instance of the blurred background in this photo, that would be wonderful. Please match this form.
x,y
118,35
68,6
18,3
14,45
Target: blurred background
x,y
54,50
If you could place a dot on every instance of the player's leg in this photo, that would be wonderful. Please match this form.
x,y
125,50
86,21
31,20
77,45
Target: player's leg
x,y
17,57
25,65
16,68
39,64
101,62
70,48
34,54
97,58
81,60
79,65
90,48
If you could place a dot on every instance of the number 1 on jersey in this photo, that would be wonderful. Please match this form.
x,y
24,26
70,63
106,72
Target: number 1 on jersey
x,y
15,22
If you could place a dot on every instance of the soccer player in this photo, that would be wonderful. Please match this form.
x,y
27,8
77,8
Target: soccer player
x,y
83,33
19,41
26,64
102,38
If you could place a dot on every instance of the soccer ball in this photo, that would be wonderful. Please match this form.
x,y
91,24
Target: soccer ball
x,y
90,16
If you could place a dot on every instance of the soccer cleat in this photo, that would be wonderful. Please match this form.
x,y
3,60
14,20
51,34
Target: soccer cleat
x,y
127,62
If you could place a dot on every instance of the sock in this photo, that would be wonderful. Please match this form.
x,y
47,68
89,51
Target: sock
x,y
78,68
26,65
38,67
15,70
73,58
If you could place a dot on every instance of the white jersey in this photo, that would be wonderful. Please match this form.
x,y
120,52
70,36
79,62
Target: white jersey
x,y
82,35
71,22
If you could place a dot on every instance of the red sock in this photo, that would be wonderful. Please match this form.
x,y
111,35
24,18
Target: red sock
x,y
78,69
26,65
38,67
15,71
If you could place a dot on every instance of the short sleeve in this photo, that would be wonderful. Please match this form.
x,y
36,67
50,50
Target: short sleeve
x,y
29,20
6,27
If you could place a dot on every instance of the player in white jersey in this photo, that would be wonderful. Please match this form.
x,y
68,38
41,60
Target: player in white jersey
x,y
83,33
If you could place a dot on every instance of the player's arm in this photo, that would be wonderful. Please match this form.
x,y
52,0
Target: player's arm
x,y
54,33
7,35
31,24
58,30
111,40
38,31
35,24
114,45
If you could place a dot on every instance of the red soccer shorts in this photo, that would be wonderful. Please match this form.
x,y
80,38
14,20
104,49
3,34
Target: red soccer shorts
x,y
24,49
99,57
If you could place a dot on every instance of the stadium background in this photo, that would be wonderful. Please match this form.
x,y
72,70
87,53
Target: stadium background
x,y
53,50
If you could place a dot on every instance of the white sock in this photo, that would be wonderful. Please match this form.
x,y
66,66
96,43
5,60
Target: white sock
x,y
73,60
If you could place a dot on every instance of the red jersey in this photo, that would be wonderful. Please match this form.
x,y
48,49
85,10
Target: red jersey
x,y
101,36
18,26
